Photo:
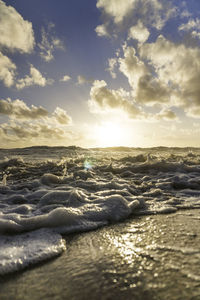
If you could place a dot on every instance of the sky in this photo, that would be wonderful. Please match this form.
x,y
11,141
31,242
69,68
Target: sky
x,y
100,73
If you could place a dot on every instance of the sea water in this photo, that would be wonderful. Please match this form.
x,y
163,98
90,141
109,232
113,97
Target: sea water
x,y
47,192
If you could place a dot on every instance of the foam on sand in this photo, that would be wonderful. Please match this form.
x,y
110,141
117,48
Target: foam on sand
x,y
20,251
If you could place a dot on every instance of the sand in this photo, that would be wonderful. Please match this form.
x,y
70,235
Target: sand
x,y
146,257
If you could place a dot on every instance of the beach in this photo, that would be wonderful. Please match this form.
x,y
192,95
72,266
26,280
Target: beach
x,y
100,224
145,257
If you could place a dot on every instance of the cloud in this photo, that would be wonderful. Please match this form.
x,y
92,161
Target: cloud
x,y
112,63
103,99
49,43
161,73
185,13
32,124
148,88
61,116
65,78
7,70
132,67
177,66
166,114
24,134
139,32
150,91
101,30
192,26
82,80
15,32
27,130
122,15
164,72
117,9
19,110
35,78
193,111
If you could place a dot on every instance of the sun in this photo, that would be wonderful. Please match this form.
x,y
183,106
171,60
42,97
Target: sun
x,y
110,134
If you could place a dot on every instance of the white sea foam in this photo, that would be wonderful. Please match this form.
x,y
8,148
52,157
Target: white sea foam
x,y
68,196
20,251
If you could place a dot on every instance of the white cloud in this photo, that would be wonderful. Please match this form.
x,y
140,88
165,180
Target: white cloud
x,y
35,78
101,30
191,24
161,72
146,88
132,67
195,34
49,43
112,63
15,32
7,70
116,8
65,78
122,15
139,32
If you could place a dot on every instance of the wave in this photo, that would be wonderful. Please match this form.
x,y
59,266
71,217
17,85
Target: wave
x,y
84,190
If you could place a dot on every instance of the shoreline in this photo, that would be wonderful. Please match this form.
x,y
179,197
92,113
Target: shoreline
x,y
144,257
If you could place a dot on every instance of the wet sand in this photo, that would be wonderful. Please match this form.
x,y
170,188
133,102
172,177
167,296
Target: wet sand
x,y
146,257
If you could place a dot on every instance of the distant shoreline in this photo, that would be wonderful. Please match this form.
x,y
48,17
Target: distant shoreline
x,y
117,148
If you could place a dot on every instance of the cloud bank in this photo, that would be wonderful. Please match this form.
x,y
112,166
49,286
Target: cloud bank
x,y
15,32
32,124
122,15
162,73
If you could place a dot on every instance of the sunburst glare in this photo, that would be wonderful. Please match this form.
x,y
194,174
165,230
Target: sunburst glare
x,y
109,134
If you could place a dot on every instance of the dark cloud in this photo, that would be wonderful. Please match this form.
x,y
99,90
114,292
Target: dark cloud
x,y
104,99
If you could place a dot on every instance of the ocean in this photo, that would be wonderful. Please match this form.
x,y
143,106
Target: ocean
x,y
49,192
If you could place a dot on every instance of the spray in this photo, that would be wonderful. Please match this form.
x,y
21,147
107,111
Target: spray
x,y
4,181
